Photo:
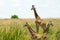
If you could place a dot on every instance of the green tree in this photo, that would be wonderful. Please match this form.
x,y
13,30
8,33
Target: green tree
x,y
14,17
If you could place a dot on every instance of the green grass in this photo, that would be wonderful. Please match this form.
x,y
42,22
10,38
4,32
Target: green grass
x,y
14,30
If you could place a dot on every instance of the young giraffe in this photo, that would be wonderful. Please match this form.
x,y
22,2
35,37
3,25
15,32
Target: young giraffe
x,y
34,35
46,30
38,20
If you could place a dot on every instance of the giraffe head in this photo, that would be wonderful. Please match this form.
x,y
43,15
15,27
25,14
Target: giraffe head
x,y
26,24
32,7
50,23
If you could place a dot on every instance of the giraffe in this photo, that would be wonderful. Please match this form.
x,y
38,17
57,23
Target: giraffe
x,y
33,33
48,25
46,30
38,20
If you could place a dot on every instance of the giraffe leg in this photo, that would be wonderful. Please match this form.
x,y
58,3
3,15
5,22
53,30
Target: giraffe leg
x,y
37,27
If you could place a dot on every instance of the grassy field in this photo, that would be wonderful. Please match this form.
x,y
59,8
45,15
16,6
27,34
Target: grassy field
x,y
12,29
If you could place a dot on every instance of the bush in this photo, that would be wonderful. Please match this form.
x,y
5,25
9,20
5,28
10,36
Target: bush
x,y
14,17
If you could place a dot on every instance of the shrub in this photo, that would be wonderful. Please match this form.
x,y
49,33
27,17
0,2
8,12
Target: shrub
x,y
14,17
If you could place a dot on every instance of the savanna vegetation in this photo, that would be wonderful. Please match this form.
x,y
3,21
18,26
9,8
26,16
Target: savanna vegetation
x,y
12,29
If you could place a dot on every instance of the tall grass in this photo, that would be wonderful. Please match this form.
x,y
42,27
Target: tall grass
x,y
14,30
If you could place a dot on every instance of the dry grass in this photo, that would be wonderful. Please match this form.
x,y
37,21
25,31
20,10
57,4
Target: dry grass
x,y
12,29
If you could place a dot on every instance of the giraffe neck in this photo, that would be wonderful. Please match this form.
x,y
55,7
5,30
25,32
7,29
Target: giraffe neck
x,y
31,30
47,28
36,15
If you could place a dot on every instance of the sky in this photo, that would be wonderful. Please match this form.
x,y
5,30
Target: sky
x,y
22,8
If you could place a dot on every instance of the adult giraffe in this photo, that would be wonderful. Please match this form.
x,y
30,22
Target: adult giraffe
x,y
38,20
